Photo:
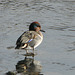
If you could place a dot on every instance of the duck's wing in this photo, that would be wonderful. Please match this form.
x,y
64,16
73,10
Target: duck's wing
x,y
26,37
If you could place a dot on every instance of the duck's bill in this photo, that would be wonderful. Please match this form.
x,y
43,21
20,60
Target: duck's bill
x,y
42,30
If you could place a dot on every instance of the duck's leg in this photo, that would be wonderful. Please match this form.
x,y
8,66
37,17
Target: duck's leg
x,y
33,49
26,51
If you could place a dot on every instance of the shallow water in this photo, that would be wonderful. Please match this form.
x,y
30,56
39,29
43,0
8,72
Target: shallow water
x,y
57,18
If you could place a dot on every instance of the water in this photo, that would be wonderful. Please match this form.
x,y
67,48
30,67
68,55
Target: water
x,y
57,18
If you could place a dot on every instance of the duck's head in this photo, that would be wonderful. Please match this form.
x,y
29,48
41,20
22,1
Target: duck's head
x,y
35,26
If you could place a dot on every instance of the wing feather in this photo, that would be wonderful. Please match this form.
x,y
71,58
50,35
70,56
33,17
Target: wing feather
x,y
24,38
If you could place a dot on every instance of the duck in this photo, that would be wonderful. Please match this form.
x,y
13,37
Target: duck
x,y
31,38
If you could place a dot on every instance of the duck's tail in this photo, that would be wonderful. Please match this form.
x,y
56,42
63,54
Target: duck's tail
x,y
23,46
17,47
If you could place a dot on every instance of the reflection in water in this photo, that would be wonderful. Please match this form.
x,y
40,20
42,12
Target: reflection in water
x,y
28,66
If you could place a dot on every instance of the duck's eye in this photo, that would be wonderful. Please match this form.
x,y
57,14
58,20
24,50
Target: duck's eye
x,y
35,26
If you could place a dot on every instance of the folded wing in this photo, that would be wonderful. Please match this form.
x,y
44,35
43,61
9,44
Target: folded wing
x,y
27,38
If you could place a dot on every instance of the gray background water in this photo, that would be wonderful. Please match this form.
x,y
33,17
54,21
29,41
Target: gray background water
x,y
57,18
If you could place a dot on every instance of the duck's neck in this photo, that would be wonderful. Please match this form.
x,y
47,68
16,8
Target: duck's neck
x,y
40,34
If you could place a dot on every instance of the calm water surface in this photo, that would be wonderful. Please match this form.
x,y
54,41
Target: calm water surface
x,y
57,18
